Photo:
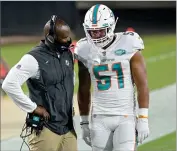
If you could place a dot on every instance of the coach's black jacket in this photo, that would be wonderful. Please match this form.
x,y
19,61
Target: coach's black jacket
x,y
54,88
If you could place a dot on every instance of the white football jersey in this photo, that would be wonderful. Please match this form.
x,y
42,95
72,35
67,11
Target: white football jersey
x,y
113,88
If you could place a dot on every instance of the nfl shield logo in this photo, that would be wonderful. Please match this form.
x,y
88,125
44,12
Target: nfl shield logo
x,y
67,62
18,66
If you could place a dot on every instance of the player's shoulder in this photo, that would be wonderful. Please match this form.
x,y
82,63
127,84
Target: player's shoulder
x,y
82,43
81,50
132,38
128,35
82,47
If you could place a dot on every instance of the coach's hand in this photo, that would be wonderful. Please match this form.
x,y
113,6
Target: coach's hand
x,y
142,129
41,111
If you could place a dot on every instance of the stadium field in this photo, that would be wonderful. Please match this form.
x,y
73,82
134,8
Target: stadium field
x,y
160,73
160,56
165,143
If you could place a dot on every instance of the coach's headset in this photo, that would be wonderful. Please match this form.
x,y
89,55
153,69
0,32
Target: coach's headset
x,y
51,37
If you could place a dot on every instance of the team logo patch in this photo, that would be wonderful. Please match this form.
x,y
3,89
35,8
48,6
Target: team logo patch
x,y
120,52
105,25
47,62
67,62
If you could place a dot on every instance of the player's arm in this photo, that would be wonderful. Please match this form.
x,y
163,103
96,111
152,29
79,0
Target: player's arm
x,y
138,69
84,95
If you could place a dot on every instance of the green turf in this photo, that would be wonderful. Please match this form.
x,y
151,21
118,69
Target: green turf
x,y
158,44
160,73
163,72
165,143
12,53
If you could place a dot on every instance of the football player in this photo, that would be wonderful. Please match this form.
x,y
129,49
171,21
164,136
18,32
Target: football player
x,y
113,63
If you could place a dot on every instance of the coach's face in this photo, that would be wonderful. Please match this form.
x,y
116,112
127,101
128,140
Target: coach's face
x,y
63,33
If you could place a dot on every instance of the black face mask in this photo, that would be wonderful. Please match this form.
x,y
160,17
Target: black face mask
x,y
58,46
63,46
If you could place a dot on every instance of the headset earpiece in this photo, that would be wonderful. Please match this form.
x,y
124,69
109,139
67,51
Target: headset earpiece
x,y
51,36
50,39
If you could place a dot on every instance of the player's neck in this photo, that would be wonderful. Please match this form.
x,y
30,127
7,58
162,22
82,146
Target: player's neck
x,y
110,42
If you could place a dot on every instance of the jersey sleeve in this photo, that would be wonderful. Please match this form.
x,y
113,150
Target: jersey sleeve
x,y
133,42
138,43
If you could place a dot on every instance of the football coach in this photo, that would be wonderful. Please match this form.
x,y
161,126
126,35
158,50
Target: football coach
x,y
48,70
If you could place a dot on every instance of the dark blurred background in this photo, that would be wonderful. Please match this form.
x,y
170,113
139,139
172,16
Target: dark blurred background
x,y
29,17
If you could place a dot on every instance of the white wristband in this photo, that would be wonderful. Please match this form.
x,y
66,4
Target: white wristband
x,y
143,112
84,118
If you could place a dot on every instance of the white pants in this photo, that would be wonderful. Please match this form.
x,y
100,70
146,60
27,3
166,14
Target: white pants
x,y
113,133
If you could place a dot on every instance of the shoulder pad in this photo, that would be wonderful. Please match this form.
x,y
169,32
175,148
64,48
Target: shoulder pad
x,y
82,39
80,45
136,40
81,50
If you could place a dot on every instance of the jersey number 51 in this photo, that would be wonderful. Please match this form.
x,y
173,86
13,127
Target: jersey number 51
x,y
104,82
